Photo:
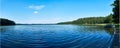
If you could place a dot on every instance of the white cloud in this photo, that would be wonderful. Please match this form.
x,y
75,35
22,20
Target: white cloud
x,y
36,7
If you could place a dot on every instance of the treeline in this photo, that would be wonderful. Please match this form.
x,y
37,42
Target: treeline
x,y
5,22
91,20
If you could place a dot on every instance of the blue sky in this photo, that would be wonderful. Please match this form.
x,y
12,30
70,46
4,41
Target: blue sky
x,y
53,11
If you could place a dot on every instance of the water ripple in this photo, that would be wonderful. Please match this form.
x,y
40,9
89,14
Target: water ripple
x,y
54,36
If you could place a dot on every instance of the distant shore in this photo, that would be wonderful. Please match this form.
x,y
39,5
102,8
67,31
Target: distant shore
x,y
116,25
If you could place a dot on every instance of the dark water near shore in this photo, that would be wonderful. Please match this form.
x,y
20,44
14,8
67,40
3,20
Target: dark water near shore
x,y
54,36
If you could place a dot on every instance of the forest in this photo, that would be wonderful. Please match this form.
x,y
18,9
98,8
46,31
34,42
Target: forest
x,y
6,22
91,20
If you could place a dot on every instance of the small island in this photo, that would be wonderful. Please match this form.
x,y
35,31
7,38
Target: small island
x,y
6,22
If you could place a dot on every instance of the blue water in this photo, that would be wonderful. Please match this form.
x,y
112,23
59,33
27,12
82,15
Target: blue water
x,y
54,36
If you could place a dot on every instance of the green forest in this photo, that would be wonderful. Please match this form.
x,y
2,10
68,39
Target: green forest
x,y
6,22
91,20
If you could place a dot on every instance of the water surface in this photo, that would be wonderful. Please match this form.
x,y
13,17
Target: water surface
x,y
54,36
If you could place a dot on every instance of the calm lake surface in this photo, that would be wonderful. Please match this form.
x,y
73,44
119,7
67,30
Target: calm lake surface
x,y
54,36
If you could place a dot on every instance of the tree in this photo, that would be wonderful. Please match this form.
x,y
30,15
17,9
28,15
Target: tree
x,y
108,19
116,11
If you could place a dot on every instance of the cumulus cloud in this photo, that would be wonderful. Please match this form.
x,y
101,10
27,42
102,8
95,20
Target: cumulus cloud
x,y
36,8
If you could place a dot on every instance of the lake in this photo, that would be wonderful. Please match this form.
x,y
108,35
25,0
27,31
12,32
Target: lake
x,y
54,36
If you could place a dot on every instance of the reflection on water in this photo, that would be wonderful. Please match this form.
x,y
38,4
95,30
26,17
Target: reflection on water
x,y
6,28
54,36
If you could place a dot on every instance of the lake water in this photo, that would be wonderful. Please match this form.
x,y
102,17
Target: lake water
x,y
54,36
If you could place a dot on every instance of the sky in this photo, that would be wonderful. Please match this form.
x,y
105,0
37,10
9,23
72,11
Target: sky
x,y
53,11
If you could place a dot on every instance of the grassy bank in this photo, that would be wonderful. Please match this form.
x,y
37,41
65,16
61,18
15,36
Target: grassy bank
x,y
91,24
